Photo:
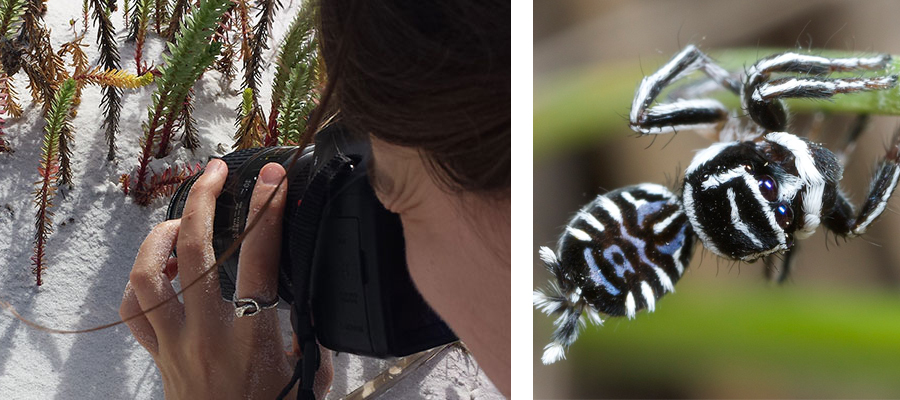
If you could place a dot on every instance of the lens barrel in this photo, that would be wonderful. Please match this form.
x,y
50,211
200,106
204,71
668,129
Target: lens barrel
x,y
233,204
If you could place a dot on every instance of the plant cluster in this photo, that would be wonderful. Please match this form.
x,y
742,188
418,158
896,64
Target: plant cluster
x,y
191,54
208,37
297,75
25,46
202,35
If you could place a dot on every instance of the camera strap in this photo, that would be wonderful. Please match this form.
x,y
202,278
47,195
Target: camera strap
x,y
304,227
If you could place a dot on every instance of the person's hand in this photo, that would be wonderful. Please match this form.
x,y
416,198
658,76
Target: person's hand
x,y
202,350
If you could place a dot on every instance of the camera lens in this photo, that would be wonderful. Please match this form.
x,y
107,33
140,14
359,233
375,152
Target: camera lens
x,y
233,204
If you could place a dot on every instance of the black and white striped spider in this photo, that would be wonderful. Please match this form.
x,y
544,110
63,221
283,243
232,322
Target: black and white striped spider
x,y
745,197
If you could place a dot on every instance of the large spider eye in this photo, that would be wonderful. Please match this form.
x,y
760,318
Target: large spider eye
x,y
784,216
768,187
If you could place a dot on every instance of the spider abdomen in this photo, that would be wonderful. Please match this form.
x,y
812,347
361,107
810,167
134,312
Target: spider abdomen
x,y
627,248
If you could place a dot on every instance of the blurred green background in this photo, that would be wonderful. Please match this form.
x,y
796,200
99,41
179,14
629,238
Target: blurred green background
x,y
832,331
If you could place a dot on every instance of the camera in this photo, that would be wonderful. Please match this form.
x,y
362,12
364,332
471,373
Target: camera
x,y
340,246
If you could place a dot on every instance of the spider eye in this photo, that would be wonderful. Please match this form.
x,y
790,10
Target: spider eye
x,y
784,216
768,187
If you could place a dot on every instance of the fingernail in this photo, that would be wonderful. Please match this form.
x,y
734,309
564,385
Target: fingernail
x,y
214,166
270,175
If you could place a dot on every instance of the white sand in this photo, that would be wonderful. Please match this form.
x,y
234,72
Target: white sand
x,y
97,233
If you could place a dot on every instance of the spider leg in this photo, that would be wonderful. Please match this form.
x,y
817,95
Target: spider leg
x,y
859,125
786,265
761,96
770,269
780,275
842,221
679,114
815,65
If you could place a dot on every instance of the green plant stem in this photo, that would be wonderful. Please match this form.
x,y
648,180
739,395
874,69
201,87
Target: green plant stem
x,y
585,105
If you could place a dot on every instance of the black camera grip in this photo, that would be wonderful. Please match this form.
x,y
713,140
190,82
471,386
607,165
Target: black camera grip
x,y
304,229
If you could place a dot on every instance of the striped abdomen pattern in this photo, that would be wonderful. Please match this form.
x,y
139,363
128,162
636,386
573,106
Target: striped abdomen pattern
x,y
627,248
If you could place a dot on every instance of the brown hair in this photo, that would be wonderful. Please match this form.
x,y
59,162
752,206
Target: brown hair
x,y
430,75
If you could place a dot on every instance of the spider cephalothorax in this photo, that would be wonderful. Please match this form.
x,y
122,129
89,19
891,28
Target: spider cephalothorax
x,y
748,196
750,199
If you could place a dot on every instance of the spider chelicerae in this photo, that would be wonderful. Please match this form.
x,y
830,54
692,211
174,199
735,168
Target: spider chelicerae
x,y
748,196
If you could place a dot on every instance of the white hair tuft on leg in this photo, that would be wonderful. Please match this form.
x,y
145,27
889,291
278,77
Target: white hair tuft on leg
x,y
548,257
594,316
564,299
549,304
553,352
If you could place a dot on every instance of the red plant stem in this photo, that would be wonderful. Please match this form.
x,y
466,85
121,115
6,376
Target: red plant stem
x,y
166,136
42,218
138,52
174,176
169,127
39,259
272,136
141,193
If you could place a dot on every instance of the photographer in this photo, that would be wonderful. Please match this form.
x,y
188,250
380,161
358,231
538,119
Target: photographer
x,y
430,83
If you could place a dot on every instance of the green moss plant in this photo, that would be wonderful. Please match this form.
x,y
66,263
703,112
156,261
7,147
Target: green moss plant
x,y
57,122
296,75
251,126
192,52
10,17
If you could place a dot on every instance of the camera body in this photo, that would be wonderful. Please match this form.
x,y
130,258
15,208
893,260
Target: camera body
x,y
361,296
363,300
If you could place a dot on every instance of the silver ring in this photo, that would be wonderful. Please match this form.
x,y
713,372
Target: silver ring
x,y
248,307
